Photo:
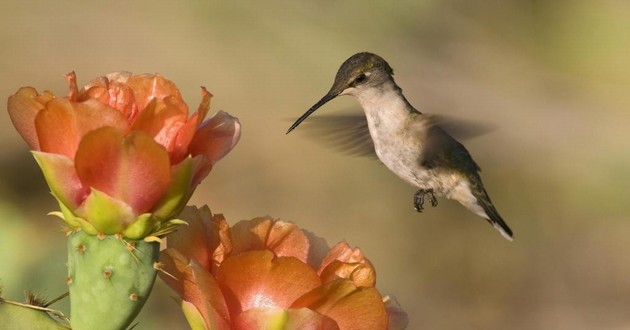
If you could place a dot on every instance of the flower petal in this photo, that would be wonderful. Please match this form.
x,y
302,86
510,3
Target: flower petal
x,y
206,239
162,120
134,169
62,124
344,262
113,91
194,284
397,317
146,87
284,239
214,139
188,130
350,306
278,318
62,178
23,107
255,279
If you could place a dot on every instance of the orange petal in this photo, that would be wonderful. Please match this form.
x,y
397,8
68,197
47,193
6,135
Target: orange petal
x,y
206,239
188,130
278,318
254,279
113,91
62,124
162,120
196,285
23,107
134,169
350,306
285,239
344,262
146,87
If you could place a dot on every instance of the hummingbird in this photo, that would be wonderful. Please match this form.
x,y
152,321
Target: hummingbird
x,y
411,144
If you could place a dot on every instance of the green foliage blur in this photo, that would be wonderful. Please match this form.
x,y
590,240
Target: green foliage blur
x,y
551,78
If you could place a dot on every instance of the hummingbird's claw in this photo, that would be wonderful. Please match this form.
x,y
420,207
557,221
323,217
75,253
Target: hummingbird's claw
x,y
418,199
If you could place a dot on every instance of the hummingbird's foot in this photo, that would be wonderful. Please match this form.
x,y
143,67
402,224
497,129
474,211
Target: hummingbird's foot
x,y
418,199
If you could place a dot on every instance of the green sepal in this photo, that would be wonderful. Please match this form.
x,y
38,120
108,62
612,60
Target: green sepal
x,y
178,191
141,226
193,316
72,220
168,227
108,215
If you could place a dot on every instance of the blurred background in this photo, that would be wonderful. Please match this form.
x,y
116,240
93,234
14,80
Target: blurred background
x,y
551,78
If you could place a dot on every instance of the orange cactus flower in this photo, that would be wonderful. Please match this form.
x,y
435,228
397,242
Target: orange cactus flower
x,y
121,155
269,274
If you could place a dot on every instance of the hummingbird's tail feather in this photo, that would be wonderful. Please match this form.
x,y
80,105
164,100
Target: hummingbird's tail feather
x,y
494,218
474,197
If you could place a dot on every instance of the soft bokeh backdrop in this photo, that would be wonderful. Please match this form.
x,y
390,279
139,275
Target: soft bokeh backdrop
x,y
552,79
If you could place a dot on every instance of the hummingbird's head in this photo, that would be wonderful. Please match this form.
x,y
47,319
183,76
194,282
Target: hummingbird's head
x,y
359,72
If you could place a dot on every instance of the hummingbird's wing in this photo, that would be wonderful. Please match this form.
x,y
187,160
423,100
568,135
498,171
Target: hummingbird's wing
x,y
442,150
347,133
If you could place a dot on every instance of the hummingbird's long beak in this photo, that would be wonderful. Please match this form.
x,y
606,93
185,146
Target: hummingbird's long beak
x,y
317,105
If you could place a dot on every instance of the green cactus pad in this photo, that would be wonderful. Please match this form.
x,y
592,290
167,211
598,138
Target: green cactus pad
x,y
110,279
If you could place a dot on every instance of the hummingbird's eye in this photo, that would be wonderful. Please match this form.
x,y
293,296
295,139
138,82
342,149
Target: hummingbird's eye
x,y
360,79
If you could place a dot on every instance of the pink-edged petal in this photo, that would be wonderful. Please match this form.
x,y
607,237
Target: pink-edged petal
x,y
284,239
278,318
62,124
343,261
134,169
397,317
162,120
201,168
23,107
350,306
62,178
216,137
195,285
255,279
146,87
187,131
206,238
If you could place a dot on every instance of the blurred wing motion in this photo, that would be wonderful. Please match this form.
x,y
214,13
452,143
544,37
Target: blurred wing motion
x,y
345,133
349,133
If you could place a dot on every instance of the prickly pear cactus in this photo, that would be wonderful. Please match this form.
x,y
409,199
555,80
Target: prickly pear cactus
x,y
110,279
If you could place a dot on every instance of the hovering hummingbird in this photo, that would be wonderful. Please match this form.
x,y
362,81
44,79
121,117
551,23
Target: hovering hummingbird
x,y
409,143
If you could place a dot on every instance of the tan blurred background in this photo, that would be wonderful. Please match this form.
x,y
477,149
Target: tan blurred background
x,y
552,79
